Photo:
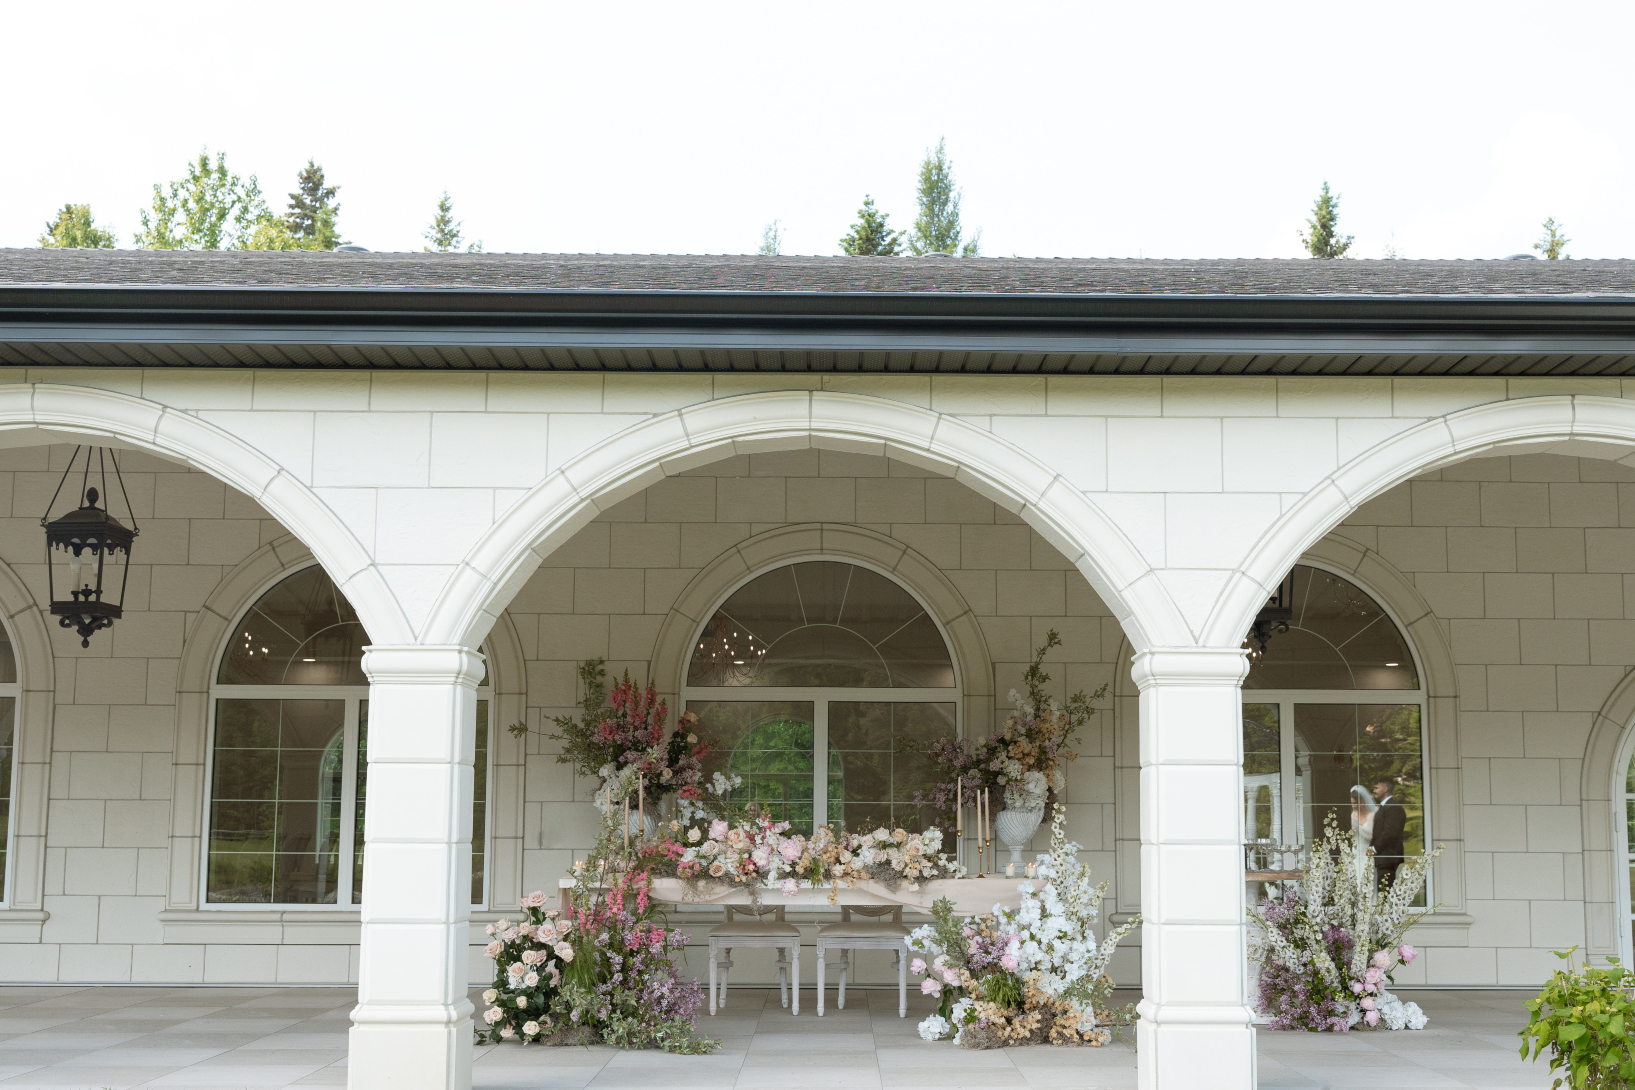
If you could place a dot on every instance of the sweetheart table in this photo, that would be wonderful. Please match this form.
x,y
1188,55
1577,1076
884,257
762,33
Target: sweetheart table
x,y
971,896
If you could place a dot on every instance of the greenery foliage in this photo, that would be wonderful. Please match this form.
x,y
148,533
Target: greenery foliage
x,y
208,208
1585,1018
313,211
871,235
444,233
75,228
1553,245
1322,237
937,227
771,240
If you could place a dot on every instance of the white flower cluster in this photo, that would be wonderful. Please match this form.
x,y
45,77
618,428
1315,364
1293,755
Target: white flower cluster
x,y
1399,1015
692,811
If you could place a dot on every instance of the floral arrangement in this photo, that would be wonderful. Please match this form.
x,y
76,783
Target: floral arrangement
x,y
1026,759
626,743
1028,975
1328,947
529,958
764,852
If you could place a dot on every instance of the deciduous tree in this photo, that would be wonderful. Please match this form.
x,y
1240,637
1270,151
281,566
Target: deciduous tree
x,y
210,208
772,240
75,228
871,235
1322,237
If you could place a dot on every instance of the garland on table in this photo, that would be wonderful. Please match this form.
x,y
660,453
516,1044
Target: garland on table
x,y
1328,947
1026,759
1026,975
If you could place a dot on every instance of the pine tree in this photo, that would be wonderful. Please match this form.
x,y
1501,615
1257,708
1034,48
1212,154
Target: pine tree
x,y
937,229
772,240
313,210
1554,244
1322,239
210,208
444,232
871,235
75,228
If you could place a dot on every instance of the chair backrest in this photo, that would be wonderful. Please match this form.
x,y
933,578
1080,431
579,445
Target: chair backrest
x,y
759,912
872,911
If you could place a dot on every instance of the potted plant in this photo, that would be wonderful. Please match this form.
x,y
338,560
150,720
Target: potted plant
x,y
1584,1016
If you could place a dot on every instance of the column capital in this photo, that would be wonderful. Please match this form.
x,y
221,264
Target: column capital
x,y
1189,666
423,664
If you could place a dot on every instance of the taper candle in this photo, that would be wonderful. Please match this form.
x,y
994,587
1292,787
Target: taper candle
x,y
641,808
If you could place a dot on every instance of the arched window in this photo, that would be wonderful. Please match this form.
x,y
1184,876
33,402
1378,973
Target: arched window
x,y
1333,704
10,690
832,658
289,745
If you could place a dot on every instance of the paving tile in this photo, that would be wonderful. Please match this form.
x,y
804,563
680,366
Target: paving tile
x,y
254,1075
117,1078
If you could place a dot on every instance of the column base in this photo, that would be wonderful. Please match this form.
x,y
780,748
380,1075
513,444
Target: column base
x,y
414,1056
1219,1055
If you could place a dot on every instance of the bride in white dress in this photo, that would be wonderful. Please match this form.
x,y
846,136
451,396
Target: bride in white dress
x,y
1363,809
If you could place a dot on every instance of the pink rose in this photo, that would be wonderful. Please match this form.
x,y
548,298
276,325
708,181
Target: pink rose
x,y
515,969
563,951
535,899
1372,1018
917,967
531,980
930,987
492,1015
492,950
1407,953
507,1032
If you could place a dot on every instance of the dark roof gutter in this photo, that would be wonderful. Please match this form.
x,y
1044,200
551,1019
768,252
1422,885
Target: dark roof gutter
x,y
821,321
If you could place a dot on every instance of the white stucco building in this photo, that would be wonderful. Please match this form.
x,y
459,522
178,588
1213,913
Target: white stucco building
x,y
489,468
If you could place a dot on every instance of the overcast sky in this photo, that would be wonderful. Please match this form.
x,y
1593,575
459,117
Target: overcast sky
x,y
1076,130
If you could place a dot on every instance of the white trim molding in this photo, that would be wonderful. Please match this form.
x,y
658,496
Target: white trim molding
x,y
23,915
671,443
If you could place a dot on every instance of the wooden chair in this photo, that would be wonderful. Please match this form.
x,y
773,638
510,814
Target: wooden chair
x,y
868,934
756,933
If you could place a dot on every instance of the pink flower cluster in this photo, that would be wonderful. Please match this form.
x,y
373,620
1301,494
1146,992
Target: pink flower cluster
x,y
528,961
1374,978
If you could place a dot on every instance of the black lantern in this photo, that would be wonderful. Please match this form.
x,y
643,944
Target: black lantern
x,y
87,541
1274,616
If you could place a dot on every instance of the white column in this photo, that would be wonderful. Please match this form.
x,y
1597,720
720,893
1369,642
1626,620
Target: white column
x,y
1194,1029
412,1027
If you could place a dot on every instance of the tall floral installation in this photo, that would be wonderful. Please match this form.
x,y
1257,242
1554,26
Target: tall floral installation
x,y
1031,975
1329,946
1025,761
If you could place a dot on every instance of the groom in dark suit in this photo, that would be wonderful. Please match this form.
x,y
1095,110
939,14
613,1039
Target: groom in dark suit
x,y
1389,822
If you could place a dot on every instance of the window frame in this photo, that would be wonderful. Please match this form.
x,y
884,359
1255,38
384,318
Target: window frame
x,y
14,691
1622,796
1286,699
821,696
353,696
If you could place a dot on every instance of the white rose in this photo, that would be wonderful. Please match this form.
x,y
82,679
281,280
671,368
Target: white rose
x,y
531,979
522,1001
490,995
530,1029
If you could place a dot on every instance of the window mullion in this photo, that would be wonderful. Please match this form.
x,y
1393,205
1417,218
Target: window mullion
x,y
1290,803
820,759
349,803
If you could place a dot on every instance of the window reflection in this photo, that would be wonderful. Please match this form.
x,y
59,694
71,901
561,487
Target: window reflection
x,y
1339,639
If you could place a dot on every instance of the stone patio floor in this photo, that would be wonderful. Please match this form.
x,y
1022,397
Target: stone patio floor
x,y
92,1037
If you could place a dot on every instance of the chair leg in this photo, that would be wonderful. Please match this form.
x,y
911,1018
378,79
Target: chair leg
x,y
902,985
845,967
712,980
794,972
726,967
783,977
822,978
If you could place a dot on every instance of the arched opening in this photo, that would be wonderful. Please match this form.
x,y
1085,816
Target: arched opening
x,y
1334,716
288,744
11,692
821,683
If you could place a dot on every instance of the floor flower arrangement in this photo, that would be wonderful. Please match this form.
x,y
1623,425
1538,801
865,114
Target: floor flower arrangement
x,y
1329,946
1029,975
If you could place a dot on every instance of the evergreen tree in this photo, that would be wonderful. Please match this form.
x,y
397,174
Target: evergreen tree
x,y
210,208
313,210
1554,244
871,235
75,228
1322,239
937,229
444,232
772,240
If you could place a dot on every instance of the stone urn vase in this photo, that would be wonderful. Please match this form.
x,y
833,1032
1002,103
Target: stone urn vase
x,y
1015,829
